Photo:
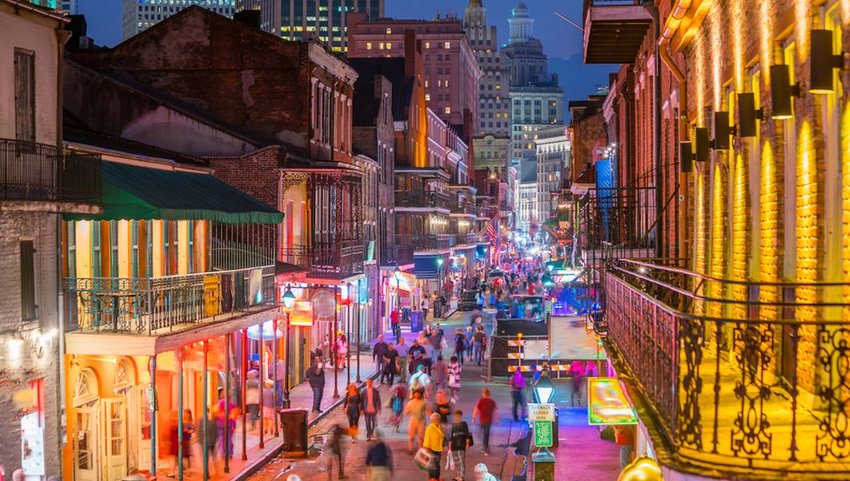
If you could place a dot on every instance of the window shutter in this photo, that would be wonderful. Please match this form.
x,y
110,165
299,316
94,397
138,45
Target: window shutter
x,y
28,306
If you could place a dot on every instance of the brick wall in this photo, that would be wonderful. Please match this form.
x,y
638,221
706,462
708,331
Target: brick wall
x,y
39,360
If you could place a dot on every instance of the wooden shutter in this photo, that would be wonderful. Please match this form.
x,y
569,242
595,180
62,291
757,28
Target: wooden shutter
x,y
28,306
24,95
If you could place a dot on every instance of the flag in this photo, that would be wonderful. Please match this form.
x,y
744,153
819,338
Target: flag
x,y
492,231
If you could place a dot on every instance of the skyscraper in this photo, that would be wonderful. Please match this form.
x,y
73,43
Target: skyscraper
x,y
140,15
296,19
494,104
69,6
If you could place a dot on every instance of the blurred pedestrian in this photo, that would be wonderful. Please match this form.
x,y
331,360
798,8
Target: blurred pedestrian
x,y
379,460
397,397
335,443
390,369
186,437
252,397
517,384
353,406
460,345
439,373
454,371
435,437
268,406
207,433
483,474
378,351
484,411
478,345
425,305
460,441
403,350
420,382
417,409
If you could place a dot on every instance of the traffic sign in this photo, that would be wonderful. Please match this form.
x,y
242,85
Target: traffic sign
x,y
541,412
543,434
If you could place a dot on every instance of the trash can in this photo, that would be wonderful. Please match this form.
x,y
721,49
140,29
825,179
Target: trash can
x,y
293,423
417,323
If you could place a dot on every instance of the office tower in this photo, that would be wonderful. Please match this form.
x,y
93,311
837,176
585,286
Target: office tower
x,y
140,15
494,104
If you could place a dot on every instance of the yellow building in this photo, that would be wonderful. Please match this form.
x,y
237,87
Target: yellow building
x,y
164,291
737,360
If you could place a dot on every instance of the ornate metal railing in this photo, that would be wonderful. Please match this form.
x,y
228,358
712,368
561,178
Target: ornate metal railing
x,y
458,207
741,378
422,199
324,259
158,305
33,171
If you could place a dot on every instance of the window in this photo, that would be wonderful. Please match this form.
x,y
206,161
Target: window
x,y
446,83
389,31
27,280
368,45
24,95
447,45
389,45
427,44
427,97
426,84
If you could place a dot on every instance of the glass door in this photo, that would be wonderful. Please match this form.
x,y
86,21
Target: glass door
x,y
85,444
116,438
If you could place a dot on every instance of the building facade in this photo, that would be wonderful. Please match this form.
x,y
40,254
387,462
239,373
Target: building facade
x,y
451,72
553,160
533,108
493,102
527,197
139,15
321,19
39,183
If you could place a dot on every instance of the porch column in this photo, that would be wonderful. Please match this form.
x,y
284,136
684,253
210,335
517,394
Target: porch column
x,y
153,406
205,412
180,426
244,398
262,382
333,341
274,376
348,316
226,441
358,330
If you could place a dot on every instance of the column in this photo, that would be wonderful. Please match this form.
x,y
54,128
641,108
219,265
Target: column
x,y
244,405
226,442
205,415
152,369
180,426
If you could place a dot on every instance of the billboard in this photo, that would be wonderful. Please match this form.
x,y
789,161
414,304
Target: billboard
x,y
607,403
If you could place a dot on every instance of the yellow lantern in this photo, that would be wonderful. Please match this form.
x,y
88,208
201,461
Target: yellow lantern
x,y
641,469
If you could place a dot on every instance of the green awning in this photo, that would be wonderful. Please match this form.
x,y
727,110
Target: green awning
x,y
134,192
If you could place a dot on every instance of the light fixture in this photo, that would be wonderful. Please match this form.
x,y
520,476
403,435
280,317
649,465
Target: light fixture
x,y
747,115
722,131
439,261
701,144
781,92
822,62
686,156
288,299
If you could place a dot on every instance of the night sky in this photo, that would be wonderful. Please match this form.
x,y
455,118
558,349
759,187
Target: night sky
x,y
561,41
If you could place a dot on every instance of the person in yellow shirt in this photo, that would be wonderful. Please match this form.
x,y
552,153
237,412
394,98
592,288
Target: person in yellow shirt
x,y
434,439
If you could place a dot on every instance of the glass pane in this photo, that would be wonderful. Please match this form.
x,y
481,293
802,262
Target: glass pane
x,y
117,446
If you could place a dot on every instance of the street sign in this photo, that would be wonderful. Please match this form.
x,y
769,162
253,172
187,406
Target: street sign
x,y
543,434
541,412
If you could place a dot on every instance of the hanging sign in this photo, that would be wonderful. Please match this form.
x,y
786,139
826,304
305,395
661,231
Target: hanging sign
x,y
543,435
607,403
541,412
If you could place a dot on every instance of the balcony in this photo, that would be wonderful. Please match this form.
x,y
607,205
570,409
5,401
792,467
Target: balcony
x,y
614,30
422,199
426,242
326,260
30,171
463,207
162,305
742,380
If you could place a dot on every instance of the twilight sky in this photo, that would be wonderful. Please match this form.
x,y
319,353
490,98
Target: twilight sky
x,y
561,41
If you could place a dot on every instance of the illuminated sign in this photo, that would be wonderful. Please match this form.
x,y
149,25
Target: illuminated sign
x,y
302,314
607,403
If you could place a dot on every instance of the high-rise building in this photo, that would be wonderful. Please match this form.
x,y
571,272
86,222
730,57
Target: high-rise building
x,y
450,67
297,19
140,15
553,159
493,101
69,6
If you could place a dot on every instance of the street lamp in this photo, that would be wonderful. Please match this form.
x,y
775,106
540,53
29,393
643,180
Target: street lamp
x,y
288,304
543,459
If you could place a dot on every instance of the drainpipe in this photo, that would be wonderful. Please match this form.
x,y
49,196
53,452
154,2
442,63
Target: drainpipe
x,y
678,12
650,7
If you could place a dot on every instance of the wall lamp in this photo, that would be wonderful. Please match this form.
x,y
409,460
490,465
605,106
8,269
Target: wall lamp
x,y
747,115
822,62
722,130
686,156
781,92
701,144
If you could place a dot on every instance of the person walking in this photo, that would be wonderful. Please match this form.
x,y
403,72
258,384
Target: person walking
x,y
252,397
478,345
624,436
460,345
378,350
370,399
517,384
435,437
416,408
186,437
460,441
353,405
425,305
439,373
403,350
268,406
390,364
454,371
335,444
397,397
470,333
394,324
207,432
420,382
379,460
316,379
484,411
442,406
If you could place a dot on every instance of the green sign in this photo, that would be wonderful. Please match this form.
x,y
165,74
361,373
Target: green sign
x,y
543,434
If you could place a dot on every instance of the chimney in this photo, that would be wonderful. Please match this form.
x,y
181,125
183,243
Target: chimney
x,y
79,30
250,18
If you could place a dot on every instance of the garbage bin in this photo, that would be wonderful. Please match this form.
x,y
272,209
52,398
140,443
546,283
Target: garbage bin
x,y
417,323
294,426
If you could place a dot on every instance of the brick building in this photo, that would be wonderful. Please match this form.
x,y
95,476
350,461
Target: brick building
x,y
756,319
450,69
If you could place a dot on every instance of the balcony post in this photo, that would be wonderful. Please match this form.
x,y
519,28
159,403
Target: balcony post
x,y
275,379
357,328
205,411
242,379
333,341
152,406
226,442
262,346
180,426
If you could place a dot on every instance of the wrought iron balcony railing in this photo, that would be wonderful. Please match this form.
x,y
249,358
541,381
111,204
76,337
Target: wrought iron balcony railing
x,y
422,199
327,260
426,242
742,379
159,305
38,172
456,207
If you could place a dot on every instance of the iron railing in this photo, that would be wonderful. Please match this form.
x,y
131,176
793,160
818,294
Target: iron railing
x,y
426,242
466,207
422,199
41,172
157,305
743,378
327,260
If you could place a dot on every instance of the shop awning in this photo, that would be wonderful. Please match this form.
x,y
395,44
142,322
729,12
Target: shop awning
x,y
140,193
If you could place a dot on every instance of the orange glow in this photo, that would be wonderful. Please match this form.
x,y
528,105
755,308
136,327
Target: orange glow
x,y
716,58
801,28
737,34
766,37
